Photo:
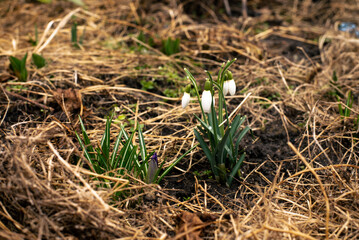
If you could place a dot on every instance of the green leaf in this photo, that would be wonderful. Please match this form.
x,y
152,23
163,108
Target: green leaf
x,y
115,150
349,104
126,152
143,150
77,2
102,161
220,147
207,127
207,152
155,178
88,156
23,71
213,122
38,60
74,33
174,164
45,1
15,64
147,85
210,136
19,67
235,170
131,159
87,140
239,139
236,123
105,141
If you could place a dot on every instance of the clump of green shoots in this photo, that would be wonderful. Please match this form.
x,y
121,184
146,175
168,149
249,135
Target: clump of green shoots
x,y
76,42
346,110
171,46
124,157
223,135
18,67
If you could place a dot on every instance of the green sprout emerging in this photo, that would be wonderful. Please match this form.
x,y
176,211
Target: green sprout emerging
x,y
171,46
125,157
19,67
224,137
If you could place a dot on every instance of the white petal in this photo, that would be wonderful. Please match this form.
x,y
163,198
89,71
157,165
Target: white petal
x,y
206,101
185,99
231,87
225,88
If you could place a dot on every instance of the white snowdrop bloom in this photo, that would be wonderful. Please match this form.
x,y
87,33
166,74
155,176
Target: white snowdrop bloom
x,y
207,101
225,88
231,87
185,99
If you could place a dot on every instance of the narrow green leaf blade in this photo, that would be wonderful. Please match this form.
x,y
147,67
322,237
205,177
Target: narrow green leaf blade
x,y
102,161
205,126
221,145
235,170
115,150
88,156
239,139
15,64
207,152
174,164
143,150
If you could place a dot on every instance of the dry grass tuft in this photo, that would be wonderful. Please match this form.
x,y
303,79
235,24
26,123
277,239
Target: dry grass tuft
x,y
300,179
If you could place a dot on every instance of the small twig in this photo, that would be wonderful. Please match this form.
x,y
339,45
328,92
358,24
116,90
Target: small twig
x,y
29,100
7,107
244,9
235,110
228,8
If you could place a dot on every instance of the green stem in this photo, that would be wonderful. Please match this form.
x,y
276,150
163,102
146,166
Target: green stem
x,y
191,78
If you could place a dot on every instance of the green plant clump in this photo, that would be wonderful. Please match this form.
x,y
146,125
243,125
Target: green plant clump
x,y
126,157
222,149
171,46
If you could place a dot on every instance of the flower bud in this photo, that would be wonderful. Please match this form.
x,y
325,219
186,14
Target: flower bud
x,y
185,99
152,168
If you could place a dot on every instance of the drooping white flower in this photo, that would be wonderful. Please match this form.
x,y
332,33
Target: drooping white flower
x,y
231,87
186,96
185,99
206,101
225,88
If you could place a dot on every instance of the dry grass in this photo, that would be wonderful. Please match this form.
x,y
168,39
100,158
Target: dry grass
x,y
286,57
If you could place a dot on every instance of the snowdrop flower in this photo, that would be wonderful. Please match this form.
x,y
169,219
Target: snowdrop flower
x,y
225,88
186,96
207,97
229,86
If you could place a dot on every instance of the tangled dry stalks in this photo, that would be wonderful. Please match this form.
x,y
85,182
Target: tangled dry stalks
x,y
300,180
